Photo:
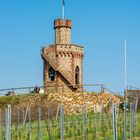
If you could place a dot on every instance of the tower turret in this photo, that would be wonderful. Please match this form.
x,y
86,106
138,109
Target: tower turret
x,y
62,31
62,60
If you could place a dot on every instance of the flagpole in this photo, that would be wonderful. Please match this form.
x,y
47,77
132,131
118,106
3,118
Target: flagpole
x,y
125,68
125,93
63,9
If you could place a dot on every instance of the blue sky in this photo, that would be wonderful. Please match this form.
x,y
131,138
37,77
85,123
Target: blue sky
x,y
101,26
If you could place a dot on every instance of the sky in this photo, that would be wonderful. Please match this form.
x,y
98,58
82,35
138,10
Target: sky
x,y
101,26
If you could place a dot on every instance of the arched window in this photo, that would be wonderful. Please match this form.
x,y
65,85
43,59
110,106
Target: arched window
x,y
51,74
77,75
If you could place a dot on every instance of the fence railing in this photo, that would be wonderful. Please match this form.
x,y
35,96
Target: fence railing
x,y
20,90
62,88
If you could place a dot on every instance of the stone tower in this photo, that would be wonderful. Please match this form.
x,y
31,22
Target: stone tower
x,y
62,60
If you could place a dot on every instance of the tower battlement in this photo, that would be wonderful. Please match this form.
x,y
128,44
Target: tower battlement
x,y
58,23
63,47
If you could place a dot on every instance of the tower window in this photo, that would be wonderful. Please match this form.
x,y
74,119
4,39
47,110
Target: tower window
x,y
77,75
51,74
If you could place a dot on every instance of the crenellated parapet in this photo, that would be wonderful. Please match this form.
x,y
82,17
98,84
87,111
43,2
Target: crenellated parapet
x,y
58,23
66,49
69,47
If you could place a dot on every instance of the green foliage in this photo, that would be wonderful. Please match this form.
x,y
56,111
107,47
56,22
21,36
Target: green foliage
x,y
5,100
97,126
50,129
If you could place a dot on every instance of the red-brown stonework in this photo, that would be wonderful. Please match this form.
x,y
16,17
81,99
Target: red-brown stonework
x,y
63,58
62,23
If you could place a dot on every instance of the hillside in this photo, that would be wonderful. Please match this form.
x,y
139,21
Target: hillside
x,y
72,102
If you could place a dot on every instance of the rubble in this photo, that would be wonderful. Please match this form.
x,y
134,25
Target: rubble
x,y
73,102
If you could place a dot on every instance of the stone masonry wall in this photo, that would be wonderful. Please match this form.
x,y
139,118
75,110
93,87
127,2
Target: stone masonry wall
x,y
65,57
62,35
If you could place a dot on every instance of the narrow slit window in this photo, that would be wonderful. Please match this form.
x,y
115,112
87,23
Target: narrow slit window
x,y
77,75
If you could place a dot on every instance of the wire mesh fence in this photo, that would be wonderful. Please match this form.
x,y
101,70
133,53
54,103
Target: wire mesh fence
x,y
52,123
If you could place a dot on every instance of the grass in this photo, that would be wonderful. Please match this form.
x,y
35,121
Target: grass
x,y
96,127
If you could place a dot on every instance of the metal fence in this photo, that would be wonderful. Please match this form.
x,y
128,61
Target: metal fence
x,y
52,123
18,91
53,89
